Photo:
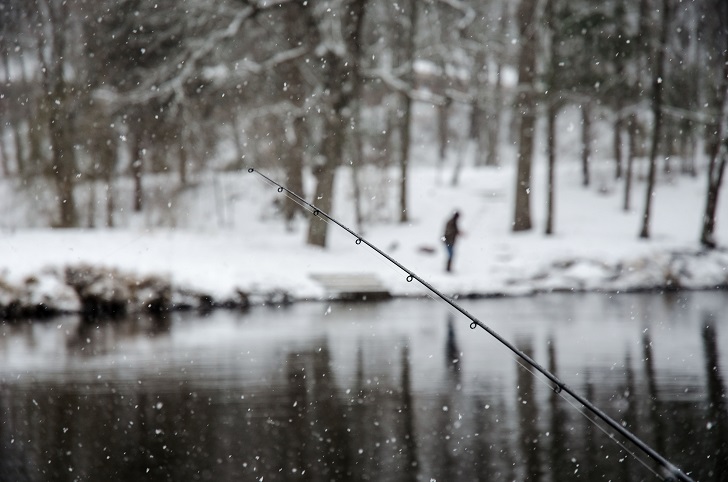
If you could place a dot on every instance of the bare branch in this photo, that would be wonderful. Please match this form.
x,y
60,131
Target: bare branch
x,y
467,11
398,85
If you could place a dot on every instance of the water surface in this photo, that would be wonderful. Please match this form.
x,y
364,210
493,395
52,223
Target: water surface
x,y
391,391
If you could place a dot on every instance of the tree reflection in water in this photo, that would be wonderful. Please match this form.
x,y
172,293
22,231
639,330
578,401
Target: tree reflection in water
x,y
717,406
346,405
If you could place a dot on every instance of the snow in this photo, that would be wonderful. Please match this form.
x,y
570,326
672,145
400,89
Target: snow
x,y
595,245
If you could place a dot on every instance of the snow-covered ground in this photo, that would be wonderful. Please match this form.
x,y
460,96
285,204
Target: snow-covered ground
x,y
595,245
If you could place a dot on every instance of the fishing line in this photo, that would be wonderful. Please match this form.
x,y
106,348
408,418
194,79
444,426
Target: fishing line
x,y
591,420
611,436
521,364
558,386
584,414
595,422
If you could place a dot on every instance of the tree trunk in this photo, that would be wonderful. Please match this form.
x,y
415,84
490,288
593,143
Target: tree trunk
x,y
494,117
669,146
60,120
719,147
650,189
632,132
137,172
618,152
91,210
294,167
36,157
657,84
357,160
476,131
586,142
409,52
64,167
522,215
551,152
494,128
525,105
240,152
20,155
357,155
620,61
182,158
325,173
479,133
339,85
643,41
688,149
325,176
551,113
295,122
4,166
715,180
110,205
442,131
404,140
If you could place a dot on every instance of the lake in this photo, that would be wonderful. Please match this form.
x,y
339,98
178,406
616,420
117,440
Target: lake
x,y
399,390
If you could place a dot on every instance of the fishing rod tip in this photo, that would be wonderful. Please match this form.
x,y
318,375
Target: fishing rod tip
x,y
671,473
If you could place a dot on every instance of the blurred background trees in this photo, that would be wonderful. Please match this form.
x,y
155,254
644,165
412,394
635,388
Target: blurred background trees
x,y
110,107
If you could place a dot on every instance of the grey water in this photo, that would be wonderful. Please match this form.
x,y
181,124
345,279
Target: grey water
x,y
400,390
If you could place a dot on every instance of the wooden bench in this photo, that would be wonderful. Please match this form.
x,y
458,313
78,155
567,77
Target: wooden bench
x,y
352,286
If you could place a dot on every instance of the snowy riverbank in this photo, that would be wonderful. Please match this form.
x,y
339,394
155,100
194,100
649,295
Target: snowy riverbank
x,y
256,259
105,291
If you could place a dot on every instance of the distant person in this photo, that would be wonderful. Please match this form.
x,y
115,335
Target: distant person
x,y
451,235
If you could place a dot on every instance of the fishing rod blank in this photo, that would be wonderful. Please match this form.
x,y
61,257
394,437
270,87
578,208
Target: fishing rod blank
x,y
559,386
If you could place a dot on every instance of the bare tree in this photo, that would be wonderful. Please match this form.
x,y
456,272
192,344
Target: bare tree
x,y
483,37
337,62
408,54
586,141
657,108
620,59
552,110
60,99
632,131
495,116
527,17
292,73
718,154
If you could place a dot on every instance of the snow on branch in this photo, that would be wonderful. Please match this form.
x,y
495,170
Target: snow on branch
x,y
246,68
467,11
398,85
170,79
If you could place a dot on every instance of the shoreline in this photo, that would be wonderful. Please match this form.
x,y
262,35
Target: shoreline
x,y
98,293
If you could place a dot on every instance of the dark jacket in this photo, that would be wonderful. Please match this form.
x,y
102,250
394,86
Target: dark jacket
x,y
451,230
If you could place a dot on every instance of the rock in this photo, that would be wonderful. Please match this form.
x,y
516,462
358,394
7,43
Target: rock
x,y
38,296
152,294
104,292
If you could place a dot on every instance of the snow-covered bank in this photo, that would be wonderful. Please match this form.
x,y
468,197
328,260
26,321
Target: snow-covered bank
x,y
256,258
107,292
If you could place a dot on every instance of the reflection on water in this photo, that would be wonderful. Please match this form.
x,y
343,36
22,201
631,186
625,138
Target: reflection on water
x,y
393,391
717,404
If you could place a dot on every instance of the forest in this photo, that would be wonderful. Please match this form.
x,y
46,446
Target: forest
x,y
103,103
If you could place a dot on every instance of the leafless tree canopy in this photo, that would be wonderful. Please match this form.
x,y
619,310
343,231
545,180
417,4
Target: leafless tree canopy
x,y
99,96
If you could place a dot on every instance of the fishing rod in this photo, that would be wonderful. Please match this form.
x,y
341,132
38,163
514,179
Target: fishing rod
x,y
558,386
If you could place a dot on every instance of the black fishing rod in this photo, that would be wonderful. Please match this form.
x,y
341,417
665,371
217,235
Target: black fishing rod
x,y
672,471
